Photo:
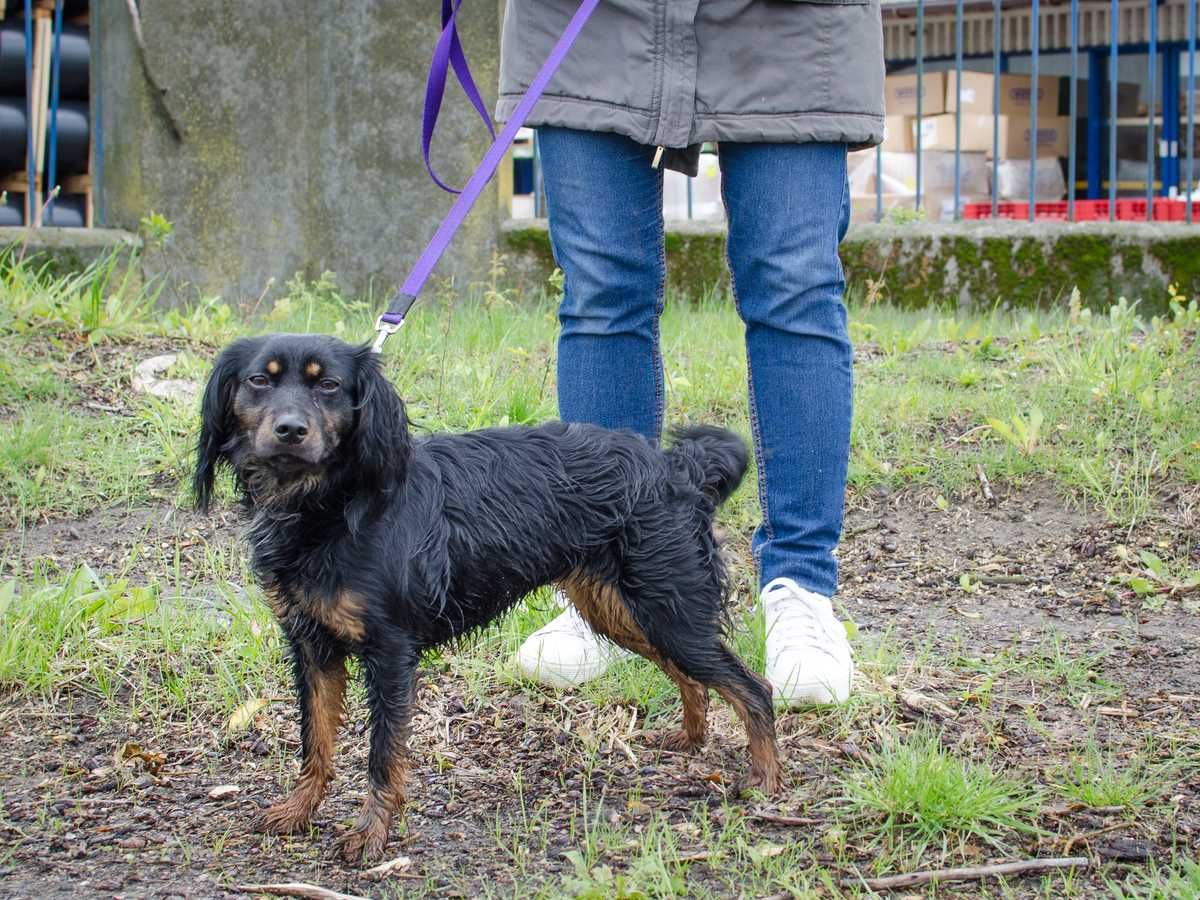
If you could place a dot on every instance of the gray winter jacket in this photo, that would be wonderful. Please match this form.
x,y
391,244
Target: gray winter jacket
x,y
675,73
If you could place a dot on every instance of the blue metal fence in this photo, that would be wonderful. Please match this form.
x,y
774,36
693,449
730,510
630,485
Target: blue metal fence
x,y
1167,189
1162,138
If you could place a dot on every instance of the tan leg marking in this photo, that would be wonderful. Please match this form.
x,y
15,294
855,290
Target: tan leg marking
x,y
601,607
326,706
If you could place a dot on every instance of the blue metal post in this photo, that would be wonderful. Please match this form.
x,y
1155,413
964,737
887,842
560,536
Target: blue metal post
x,y
1152,75
997,40
1191,109
958,63
1072,137
689,198
1112,115
1034,41
1169,138
920,90
1095,120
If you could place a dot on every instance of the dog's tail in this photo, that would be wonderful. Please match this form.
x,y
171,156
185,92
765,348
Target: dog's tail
x,y
715,458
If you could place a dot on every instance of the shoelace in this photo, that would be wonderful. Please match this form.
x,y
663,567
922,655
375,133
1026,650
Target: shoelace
x,y
798,618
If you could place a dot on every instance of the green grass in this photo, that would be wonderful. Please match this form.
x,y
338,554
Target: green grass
x,y
157,649
924,796
1097,778
1102,406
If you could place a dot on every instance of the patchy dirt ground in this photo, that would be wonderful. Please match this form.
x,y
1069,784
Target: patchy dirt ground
x,y
507,781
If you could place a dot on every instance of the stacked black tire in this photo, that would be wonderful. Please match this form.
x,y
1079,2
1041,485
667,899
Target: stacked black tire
x,y
68,210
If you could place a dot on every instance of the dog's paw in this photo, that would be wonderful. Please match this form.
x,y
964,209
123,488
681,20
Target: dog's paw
x,y
362,845
284,817
767,782
677,741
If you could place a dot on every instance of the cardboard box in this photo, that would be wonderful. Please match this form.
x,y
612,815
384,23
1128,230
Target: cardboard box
x,y
937,132
898,172
976,92
900,94
897,134
1015,138
1016,95
1012,179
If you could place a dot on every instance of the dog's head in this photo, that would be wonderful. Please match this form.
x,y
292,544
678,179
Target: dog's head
x,y
293,413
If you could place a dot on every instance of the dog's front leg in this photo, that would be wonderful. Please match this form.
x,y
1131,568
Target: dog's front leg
x,y
320,673
390,667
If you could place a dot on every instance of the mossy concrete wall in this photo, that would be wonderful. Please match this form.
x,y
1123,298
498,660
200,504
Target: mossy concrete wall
x,y
965,264
299,139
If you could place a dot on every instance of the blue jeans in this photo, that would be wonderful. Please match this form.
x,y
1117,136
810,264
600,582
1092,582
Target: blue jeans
x,y
788,208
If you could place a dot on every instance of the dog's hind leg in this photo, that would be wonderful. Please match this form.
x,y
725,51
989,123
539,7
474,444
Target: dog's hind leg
x,y
680,619
602,608
320,674
390,667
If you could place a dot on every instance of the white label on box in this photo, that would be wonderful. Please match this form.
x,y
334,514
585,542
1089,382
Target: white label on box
x,y
966,95
928,132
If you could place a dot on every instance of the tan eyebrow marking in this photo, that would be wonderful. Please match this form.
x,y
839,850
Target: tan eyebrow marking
x,y
274,367
313,369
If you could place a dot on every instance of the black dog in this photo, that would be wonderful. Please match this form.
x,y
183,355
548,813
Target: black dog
x,y
369,542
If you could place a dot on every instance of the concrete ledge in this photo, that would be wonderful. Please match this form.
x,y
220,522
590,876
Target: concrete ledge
x,y
968,264
69,249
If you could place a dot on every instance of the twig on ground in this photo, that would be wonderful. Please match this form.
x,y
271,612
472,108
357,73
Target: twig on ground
x,y
624,747
1003,579
1081,807
1088,835
786,820
974,873
296,889
851,533
985,485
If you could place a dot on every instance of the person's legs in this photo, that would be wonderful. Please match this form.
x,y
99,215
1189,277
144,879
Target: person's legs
x,y
606,228
788,209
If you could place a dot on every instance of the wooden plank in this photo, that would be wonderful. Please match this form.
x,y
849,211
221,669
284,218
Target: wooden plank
x,y
43,48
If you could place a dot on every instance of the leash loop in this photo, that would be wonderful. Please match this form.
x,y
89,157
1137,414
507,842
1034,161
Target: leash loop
x,y
389,323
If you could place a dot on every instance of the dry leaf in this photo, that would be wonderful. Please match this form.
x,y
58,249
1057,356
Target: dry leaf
x,y
929,706
244,715
766,851
222,791
383,870
152,761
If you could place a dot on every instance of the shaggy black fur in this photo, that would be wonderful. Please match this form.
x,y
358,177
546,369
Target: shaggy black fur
x,y
372,543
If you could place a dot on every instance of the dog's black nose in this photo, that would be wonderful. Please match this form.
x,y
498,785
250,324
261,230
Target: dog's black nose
x,y
290,429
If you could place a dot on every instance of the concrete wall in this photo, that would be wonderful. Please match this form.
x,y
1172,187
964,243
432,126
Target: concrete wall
x,y
966,264
300,139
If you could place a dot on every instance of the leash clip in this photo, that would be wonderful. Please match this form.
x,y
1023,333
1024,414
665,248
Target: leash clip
x,y
383,330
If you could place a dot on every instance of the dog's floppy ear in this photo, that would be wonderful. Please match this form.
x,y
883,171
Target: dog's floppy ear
x,y
380,446
217,419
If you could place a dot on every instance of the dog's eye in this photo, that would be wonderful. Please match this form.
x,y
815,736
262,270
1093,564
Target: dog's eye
x,y
258,381
328,385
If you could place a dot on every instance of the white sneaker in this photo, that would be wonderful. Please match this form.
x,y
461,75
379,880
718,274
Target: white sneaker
x,y
808,655
566,652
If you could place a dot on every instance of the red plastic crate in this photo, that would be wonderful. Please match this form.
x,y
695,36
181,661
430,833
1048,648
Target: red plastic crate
x,y
1051,209
1169,209
1165,209
1091,210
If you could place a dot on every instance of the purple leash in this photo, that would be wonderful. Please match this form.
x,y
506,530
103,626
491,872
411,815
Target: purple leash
x,y
449,50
